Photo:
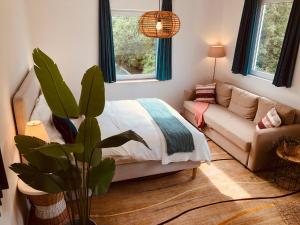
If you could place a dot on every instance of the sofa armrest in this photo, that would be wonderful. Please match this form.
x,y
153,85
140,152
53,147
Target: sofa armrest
x,y
189,95
262,153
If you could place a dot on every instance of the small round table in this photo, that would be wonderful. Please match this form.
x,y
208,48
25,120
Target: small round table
x,y
47,209
287,173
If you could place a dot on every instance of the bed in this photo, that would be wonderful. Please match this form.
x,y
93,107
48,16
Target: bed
x,y
133,159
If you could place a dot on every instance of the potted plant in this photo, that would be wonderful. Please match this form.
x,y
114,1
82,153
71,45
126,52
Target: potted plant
x,y
77,170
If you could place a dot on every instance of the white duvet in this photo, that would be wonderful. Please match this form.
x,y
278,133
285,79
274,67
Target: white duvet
x,y
120,116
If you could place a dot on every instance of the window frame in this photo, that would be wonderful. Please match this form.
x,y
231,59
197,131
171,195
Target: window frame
x,y
256,39
121,12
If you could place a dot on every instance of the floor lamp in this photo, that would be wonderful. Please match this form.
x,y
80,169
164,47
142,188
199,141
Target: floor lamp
x,y
216,51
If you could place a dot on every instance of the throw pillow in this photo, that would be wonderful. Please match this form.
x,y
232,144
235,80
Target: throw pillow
x,y
243,103
206,93
66,128
271,120
223,94
264,106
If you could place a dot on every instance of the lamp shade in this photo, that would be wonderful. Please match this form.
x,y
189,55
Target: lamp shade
x,y
216,51
159,24
36,129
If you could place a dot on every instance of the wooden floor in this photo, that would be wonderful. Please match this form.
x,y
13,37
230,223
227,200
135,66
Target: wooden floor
x,y
177,199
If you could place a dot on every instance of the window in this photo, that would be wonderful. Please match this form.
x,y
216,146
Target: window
x,y
271,27
135,54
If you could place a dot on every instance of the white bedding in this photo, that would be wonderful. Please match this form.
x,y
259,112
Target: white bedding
x,y
120,116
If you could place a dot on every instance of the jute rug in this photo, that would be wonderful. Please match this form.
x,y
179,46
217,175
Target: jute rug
x,y
221,194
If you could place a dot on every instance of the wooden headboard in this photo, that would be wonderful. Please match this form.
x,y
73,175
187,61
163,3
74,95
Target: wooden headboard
x,y
24,100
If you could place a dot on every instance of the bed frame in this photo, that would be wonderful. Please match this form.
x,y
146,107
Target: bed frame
x,y
24,102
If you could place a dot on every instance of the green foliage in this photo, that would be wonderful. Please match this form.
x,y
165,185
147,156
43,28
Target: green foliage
x,y
57,94
134,52
73,169
92,100
101,176
273,31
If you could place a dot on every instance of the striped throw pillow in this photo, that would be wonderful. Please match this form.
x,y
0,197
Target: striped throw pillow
x,y
206,93
271,120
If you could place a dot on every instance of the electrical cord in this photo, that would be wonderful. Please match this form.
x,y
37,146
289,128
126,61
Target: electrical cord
x,y
227,201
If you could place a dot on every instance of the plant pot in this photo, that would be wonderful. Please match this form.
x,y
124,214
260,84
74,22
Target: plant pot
x,y
91,222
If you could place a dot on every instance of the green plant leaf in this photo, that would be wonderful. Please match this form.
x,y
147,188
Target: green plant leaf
x,y
57,150
46,182
121,139
92,99
101,176
71,177
45,163
88,135
57,94
25,144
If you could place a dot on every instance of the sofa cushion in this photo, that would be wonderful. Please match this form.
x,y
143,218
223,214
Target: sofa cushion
x,y
243,103
237,129
189,105
286,113
206,93
264,106
271,120
223,94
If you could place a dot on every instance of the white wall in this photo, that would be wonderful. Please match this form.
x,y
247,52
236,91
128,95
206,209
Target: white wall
x,y
14,60
68,31
230,21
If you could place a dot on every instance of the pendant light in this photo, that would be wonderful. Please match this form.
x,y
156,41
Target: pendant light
x,y
159,24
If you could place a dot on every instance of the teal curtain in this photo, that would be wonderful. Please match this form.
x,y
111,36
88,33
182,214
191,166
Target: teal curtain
x,y
242,55
164,51
289,52
106,42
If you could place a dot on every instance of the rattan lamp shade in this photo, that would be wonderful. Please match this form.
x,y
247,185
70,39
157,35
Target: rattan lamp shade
x,y
159,24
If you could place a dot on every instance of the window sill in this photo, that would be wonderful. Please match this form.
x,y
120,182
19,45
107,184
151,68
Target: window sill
x,y
137,81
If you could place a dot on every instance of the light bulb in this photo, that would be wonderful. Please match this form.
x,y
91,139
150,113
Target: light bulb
x,y
159,26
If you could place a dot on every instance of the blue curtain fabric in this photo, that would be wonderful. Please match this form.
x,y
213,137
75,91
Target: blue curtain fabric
x,y
164,52
288,57
242,54
106,43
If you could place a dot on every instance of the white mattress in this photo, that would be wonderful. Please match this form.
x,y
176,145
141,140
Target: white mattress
x,y
120,116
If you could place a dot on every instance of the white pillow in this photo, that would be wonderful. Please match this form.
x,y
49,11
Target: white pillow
x,y
271,120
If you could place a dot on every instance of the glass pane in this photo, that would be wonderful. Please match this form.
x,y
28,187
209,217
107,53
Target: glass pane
x,y
271,33
135,53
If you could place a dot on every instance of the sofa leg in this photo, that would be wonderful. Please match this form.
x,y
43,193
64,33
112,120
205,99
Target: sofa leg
x,y
195,170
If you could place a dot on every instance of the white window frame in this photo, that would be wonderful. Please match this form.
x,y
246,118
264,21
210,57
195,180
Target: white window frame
x,y
118,12
257,73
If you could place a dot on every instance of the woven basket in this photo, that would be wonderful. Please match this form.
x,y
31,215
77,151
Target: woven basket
x,y
159,24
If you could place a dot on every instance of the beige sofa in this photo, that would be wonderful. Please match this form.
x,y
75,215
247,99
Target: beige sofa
x,y
231,123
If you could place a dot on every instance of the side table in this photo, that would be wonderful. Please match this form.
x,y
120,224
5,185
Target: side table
x,y
287,173
47,209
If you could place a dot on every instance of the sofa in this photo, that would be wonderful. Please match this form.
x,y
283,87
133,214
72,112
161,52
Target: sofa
x,y
231,124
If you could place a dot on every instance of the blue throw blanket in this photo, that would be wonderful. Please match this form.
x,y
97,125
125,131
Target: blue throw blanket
x,y
178,137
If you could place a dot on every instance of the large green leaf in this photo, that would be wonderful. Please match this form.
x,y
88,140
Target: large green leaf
x,y
57,94
25,144
46,182
58,150
45,163
92,99
121,139
71,177
101,176
88,135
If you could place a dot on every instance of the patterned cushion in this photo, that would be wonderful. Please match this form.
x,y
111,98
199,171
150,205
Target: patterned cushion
x,y
271,120
66,128
206,93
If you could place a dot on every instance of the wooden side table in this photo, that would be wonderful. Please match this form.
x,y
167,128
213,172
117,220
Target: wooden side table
x,y
47,209
287,173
